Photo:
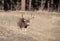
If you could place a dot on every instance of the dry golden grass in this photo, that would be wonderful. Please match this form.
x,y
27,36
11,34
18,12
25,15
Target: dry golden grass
x,y
45,26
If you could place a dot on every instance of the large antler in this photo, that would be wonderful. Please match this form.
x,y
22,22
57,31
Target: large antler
x,y
31,17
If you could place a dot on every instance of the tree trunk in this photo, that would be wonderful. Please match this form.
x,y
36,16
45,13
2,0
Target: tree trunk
x,y
59,7
48,5
30,4
42,4
23,5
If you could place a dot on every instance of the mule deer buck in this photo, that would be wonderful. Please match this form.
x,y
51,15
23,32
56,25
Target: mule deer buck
x,y
24,23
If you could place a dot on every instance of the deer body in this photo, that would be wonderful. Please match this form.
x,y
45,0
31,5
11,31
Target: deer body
x,y
23,23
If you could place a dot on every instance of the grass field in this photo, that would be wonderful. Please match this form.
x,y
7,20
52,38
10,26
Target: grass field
x,y
45,26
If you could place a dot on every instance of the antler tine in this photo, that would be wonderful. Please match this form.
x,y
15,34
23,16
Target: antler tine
x,y
31,14
31,17
22,15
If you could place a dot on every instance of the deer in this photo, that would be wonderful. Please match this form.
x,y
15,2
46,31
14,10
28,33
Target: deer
x,y
24,23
